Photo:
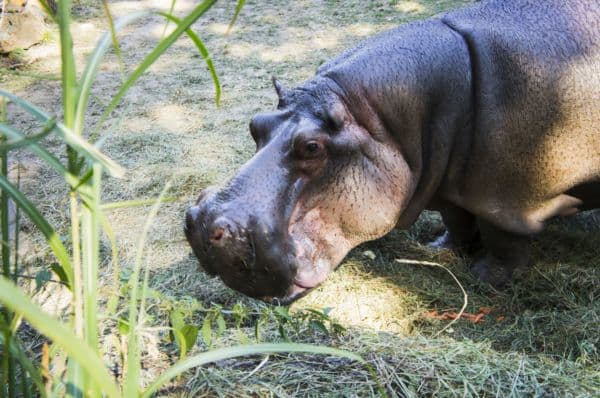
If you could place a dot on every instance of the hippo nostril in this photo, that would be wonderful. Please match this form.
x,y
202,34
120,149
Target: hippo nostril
x,y
217,234
222,232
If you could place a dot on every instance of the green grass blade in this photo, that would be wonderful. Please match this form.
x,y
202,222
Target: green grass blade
x,y
136,203
93,64
90,249
244,350
204,52
133,361
161,47
48,9
69,72
37,76
5,315
61,335
113,35
27,106
86,149
171,9
16,230
77,143
112,238
90,228
26,364
50,159
59,250
238,8
4,222
28,140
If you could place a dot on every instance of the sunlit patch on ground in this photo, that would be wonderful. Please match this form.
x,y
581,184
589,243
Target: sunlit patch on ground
x,y
410,7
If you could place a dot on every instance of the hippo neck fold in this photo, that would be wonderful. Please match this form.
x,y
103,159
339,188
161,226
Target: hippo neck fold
x,y
416,90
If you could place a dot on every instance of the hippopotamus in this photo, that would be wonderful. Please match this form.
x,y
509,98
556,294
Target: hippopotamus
x,y
487,114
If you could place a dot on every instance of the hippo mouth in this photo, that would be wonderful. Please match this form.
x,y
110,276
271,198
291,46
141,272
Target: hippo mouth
x,y
252,259
281,291
302,284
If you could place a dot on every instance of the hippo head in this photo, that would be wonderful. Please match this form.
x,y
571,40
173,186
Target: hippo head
x,y
319,184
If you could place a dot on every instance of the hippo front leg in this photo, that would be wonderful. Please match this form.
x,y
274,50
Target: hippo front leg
x,y
462,232
505,253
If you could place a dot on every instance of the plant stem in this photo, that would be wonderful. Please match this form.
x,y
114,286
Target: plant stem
x,y
74,374
16,231
4,220
8,375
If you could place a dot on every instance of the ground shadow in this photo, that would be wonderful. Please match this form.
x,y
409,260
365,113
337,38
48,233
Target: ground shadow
x,y
550,309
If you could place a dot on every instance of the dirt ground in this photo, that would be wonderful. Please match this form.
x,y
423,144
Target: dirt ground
x,y
538,338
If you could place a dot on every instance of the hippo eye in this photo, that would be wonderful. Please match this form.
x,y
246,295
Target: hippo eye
x,y
311,149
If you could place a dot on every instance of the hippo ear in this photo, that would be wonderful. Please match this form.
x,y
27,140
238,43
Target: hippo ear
x,y
335,116
279,88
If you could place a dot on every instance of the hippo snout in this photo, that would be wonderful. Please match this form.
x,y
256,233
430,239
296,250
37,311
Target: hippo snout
x,y
218,241
246,254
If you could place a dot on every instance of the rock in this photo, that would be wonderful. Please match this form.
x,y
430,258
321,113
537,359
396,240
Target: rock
x,y
22,25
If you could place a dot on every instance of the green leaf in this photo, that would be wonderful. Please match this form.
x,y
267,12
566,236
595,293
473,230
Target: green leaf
x,y
136,316
318,325
337,328
123,326
113,35
181,343
257,331
47,9
16,351
93,63
41,278
316,313
74,141
68,70
50,159
60,334
204,52
136,203
60,273
282,332
190,335
29,140
238,351
177,319
284,313
207,331
238,8
112,304
36,217
221,326
161,47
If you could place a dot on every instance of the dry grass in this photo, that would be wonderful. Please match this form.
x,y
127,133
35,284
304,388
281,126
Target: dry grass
x,y
540,339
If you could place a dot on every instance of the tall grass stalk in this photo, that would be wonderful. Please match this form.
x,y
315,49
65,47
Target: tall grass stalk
x,y
7,360
74,365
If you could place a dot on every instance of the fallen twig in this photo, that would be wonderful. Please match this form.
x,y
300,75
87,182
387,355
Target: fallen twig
x,y
465,296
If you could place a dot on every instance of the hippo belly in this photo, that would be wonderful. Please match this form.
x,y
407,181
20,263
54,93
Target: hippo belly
x,y
536,111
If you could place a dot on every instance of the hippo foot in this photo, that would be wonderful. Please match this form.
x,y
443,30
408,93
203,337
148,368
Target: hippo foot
x,y
492,270
447,241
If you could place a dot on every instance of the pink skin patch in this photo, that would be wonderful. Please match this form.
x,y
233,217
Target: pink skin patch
x,y
320,253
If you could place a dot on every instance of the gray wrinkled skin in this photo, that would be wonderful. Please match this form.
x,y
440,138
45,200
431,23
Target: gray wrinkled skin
x,y
488,114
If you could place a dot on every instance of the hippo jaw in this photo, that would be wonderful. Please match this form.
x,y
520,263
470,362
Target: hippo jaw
x,y
257,260
315,189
